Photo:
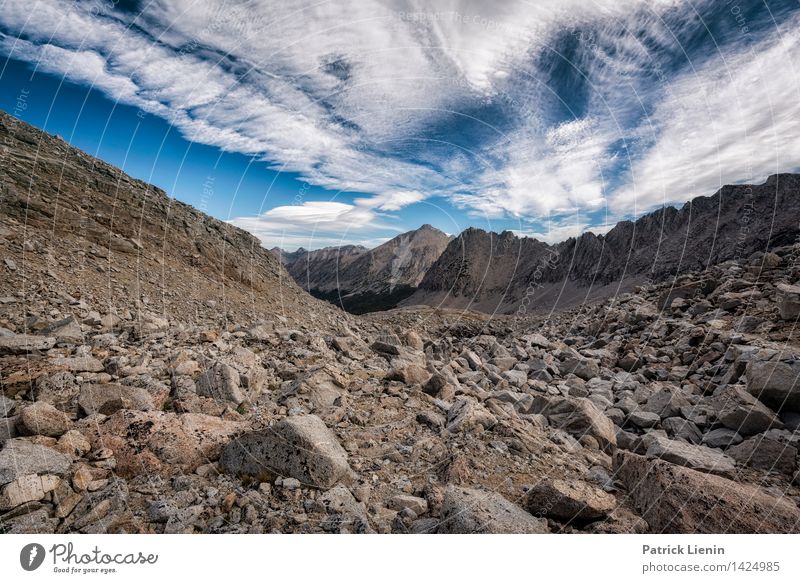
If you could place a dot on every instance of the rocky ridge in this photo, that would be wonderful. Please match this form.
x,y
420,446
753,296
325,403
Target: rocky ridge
x,y
75,223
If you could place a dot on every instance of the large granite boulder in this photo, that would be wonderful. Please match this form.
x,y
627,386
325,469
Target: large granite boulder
x,y
675,499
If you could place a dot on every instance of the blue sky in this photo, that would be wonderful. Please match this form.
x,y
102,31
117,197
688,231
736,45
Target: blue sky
x,y
321,123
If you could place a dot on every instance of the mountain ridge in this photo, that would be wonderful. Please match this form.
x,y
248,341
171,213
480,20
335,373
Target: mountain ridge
x,y
490,271
161,373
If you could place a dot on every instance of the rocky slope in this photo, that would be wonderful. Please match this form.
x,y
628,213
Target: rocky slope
x,y
75,224
507,273
672,408
361,280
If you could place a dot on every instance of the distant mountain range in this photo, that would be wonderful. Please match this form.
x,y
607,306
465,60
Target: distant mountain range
x,y
363,280
493,272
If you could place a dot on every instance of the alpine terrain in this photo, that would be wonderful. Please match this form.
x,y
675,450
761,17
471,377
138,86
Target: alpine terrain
x,y
162,372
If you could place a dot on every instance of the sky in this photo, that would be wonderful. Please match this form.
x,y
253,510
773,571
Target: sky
x,y
319,123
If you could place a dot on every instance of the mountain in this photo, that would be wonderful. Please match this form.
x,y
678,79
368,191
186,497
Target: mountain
x,y
506,273
75,223
361,280
287,256
318,269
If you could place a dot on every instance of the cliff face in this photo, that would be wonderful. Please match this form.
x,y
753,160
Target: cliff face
x,y
491,271
362,280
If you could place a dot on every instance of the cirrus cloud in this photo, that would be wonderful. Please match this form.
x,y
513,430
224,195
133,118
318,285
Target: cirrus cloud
x,y
535,111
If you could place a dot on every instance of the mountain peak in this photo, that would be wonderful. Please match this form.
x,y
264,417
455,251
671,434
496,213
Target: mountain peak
x,y
362,280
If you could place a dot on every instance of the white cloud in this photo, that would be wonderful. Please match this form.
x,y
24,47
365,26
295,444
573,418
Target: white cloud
x,y
392,200
542,175
730,121
337,90
314,224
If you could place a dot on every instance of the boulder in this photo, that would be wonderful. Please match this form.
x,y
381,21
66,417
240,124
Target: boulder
x,y
74,443
580,366
108,399
630,441
675,499
78,364
697,457
42,418
473,360
351,514
28,488
220,382
317,389
150,323
413,340
473,511
505,363
300,447
764,453
629,362
666,403
401,501
21,457
721,437
66,331
644,419
569,500
789,301
681,428
740,411
467,414
577,417
515,378
155,442
24,343
387,343
537,340
261,332
776,383
410,374
37,521
438,386
60,389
